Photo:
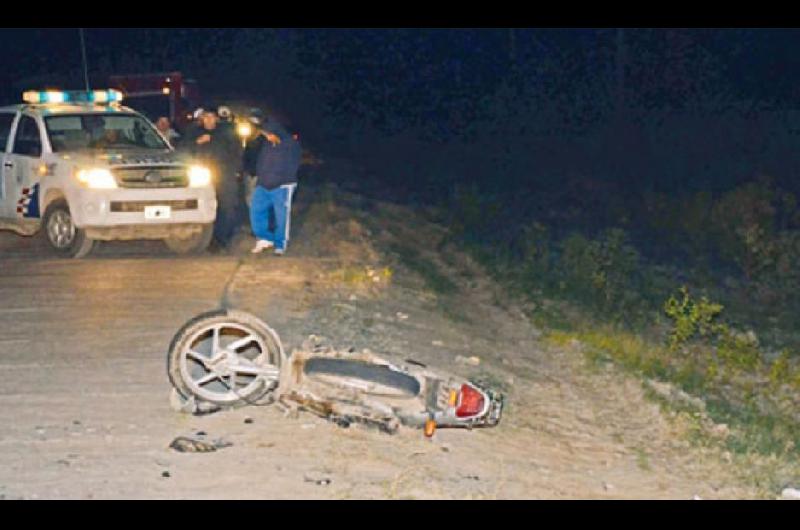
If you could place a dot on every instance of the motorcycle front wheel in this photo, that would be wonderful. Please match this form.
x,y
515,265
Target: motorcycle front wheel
x,y
225,357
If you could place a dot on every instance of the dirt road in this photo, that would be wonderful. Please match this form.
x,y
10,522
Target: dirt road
x,y
84,409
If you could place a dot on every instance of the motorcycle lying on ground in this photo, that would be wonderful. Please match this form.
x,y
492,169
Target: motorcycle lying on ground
x,y
228,358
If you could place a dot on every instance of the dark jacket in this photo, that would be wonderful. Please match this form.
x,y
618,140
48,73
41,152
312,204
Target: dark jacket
x,y
222,154
222,151
273,165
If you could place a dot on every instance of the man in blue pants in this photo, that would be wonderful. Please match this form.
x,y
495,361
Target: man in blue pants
x,y
274,158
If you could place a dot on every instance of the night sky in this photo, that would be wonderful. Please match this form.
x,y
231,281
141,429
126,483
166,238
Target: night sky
x,y
750,63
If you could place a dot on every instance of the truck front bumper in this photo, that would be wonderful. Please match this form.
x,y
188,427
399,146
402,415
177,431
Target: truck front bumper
x,y
120,210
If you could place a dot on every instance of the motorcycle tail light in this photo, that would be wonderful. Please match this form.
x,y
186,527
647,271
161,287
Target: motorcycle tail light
x,y
471,402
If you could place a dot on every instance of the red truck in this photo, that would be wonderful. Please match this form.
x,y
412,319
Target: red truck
x,y
162,94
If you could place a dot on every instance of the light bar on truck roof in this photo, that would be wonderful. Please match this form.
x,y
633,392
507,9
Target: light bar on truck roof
x,y
71,96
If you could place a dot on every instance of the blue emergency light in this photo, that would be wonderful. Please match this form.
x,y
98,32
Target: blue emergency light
x,y
70,96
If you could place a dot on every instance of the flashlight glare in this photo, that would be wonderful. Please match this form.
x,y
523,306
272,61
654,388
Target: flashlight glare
x,y
244,130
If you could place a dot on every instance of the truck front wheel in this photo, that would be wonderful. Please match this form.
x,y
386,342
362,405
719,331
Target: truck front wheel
x,y
59,228
195,244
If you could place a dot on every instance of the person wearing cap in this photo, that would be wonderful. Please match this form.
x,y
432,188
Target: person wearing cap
x,y
273,157
186,139
216,145
225,114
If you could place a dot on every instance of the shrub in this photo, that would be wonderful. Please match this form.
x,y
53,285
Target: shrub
x,y
743,222
779,282
694,221
740,351
691,317
603,271
681,223
536,248
780,371
699,319
576,262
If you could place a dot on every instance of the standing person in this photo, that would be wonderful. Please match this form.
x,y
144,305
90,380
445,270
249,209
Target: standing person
x,y
216,144
225,114
274,158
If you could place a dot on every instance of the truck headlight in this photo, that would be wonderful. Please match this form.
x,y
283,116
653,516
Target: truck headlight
x,y
199,176
97,178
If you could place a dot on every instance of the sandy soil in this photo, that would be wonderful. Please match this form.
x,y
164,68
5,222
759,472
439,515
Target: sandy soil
x,y
84,409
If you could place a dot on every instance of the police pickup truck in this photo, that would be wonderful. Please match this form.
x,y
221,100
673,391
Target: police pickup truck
x,y
82,168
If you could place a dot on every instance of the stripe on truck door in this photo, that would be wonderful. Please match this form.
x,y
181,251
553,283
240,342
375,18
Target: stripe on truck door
x,y
28,203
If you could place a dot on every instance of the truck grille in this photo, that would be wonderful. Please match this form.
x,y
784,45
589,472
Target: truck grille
x,y
152,177
138,206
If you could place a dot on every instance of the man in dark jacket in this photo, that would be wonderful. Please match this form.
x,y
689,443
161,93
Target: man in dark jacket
x,y
215,144
273,156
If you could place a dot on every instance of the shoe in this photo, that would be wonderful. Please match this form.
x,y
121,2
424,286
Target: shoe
x,y
261,246
279,251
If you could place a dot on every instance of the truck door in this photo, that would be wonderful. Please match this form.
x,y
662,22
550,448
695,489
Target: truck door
x,y
6,166
19,167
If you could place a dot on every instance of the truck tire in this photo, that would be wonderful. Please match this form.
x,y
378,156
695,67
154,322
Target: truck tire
x,y
64,237
196,244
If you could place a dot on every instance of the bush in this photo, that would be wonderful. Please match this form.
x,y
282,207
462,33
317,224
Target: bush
x,y
743,222
691,317
577,264
682,222
781,371
739,351
778,283
603,271
736,350
535,248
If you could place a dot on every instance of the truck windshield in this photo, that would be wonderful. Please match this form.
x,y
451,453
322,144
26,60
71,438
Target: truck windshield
x,y
74,132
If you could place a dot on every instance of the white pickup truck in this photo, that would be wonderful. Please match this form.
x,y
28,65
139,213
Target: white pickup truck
x,y
85,168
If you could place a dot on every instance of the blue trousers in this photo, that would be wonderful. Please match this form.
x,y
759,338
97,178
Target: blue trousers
x,y
279,201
